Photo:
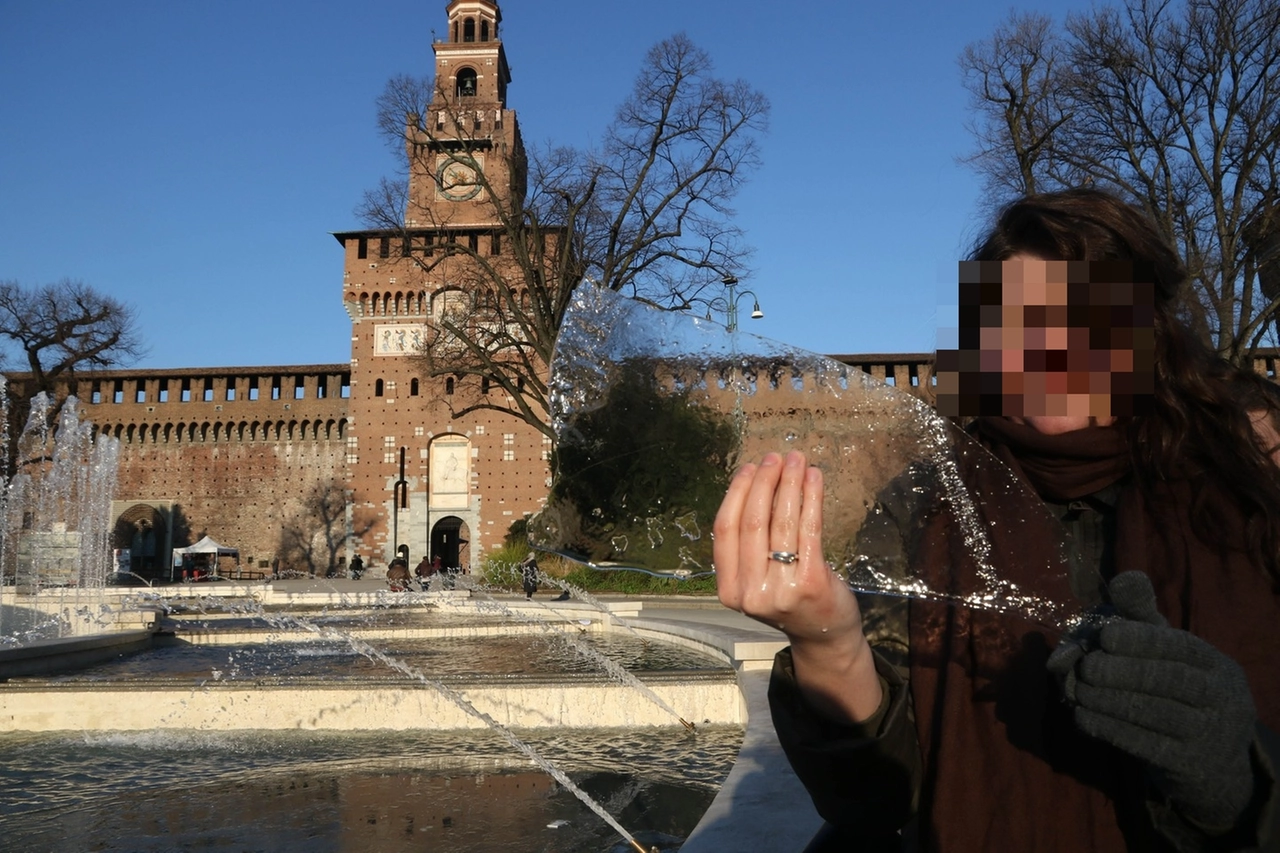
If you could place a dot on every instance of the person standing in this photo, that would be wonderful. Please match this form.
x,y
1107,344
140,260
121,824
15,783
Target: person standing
x,y
529,575
1152,730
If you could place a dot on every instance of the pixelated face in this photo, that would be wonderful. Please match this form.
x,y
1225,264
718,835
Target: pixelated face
x,y
1050,339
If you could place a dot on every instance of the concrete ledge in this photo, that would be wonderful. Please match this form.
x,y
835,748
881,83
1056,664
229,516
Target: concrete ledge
x,y
52,657
534,703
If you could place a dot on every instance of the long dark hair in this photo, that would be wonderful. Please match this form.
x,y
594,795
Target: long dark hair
x,y
1199,426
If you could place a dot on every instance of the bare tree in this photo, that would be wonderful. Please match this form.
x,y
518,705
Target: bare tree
x,y
1176,107
647,213
47,333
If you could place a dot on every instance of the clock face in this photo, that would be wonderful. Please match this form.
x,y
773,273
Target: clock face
x,y
458,180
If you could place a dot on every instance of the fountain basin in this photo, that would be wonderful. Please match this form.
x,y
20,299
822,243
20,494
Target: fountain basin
x,y
563,701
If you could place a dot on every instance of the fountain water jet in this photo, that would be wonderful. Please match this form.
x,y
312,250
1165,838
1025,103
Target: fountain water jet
x,y
55,512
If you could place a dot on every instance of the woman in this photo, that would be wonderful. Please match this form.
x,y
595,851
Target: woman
x,y
529,575
1150,733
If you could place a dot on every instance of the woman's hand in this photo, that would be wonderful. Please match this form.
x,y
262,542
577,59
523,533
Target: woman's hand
x,y
774,509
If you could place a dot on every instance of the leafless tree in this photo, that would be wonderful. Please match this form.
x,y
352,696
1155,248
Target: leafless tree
x,y
47,333
1174,106
647,213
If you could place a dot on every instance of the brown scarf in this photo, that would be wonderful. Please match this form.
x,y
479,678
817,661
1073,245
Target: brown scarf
x,y
1005,768
1059,467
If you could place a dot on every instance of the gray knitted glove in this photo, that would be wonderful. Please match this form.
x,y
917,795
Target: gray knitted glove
x,y
1168,698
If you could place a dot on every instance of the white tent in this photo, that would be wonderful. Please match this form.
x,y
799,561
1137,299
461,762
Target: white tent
x,y
205,546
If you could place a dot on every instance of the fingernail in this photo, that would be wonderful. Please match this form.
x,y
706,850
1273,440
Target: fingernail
x,y
795,459
770,459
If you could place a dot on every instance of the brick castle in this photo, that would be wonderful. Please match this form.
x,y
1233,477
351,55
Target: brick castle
x,y
300,466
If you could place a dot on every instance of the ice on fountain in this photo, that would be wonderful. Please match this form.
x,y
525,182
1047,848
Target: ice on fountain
x,y
654,410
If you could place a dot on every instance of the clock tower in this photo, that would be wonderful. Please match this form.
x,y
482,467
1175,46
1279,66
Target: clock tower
x,y
465,154
418,477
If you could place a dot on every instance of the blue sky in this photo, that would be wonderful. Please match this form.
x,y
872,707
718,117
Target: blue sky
x,y
193,158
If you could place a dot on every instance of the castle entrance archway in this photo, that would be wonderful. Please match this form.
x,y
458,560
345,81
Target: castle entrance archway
x,y
143,530
451,542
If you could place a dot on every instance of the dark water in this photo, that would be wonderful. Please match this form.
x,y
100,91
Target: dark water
x,y
336,660
371,792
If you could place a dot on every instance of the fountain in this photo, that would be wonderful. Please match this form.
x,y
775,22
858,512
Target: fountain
x,y
54,517
59,608
721,399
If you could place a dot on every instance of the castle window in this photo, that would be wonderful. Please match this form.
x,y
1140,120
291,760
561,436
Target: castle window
x,y
377,388
362,248
207,396
117,393
469,29
406,246
345,391
322,387
163,393
473,242
253,388
140,395
299,388
275,387
484,31
413,387
484,385
186,391
384,247
231,389
448,386
96,395
467,83
495,244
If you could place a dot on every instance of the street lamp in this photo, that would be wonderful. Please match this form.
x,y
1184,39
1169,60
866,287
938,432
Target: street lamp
x,y
731,303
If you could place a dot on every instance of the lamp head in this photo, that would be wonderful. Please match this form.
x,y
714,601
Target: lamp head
x,y
756,313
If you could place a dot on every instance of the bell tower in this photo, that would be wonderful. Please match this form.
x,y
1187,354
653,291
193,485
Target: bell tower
x,y
465,153
419,476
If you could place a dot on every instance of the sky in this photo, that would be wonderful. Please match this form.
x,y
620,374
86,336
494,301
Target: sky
x,y
193,159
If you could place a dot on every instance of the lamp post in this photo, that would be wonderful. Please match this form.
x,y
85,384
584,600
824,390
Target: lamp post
x,y
731,303
399,501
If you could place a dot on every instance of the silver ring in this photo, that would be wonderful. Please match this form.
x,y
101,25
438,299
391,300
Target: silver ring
x,y
783,557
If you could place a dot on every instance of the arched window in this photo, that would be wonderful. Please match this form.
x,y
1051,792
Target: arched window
x,y
466,83
484,385
377,388
484,31
413,387
448,386
469,29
